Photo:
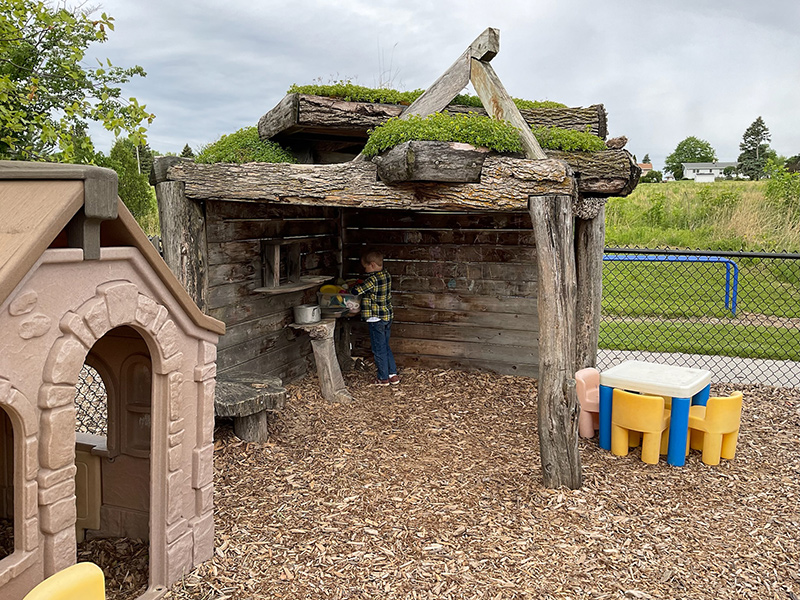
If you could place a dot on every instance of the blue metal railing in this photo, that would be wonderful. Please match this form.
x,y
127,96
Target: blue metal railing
x,y
731,287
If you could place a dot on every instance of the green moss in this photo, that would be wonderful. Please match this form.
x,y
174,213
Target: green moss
x,y
567,140
243,146
357,93
444,127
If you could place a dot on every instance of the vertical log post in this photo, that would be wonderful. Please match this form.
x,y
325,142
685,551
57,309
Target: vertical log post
x,y
183,231
558,404
590,237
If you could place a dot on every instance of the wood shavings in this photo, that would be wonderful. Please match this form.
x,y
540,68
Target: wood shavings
x,y
432,489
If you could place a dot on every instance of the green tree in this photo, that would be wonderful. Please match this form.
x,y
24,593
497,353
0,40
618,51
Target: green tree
x,y
134,187
755,149
187,152
651,177
691,149
47,95
793,164
646,158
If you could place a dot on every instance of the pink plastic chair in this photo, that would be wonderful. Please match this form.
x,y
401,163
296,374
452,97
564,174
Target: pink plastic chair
x,y
587,385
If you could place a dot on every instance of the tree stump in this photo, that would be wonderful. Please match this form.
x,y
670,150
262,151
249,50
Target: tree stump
x,y
331,381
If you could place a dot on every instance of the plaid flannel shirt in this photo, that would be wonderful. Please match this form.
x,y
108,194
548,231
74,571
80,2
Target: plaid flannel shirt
x,y
376,291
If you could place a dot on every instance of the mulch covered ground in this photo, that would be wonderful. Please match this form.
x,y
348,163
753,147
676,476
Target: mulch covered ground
x,y
432,489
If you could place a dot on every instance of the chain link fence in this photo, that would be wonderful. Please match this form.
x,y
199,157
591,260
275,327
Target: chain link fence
x,y
736,314
91,403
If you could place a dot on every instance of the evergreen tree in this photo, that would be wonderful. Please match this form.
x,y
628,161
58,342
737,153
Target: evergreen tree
x,y
187,152
134,187
755,149
646,158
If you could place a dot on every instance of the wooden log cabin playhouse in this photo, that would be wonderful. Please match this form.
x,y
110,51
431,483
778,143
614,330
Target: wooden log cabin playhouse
x,y
500,273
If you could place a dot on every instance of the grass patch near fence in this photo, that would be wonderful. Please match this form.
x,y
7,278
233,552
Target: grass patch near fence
x,y
746,341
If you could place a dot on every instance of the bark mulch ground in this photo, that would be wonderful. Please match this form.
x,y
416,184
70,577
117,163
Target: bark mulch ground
x,y
432,489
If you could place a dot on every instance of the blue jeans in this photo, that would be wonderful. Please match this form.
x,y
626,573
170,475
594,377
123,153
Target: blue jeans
x,y
379,333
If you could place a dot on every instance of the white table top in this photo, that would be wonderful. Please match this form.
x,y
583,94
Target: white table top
x,y
656,378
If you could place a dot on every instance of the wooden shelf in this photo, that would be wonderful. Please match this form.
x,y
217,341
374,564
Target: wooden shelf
x,y
305,283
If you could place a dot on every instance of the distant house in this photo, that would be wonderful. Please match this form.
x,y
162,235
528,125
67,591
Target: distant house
x,y
705,172
646,167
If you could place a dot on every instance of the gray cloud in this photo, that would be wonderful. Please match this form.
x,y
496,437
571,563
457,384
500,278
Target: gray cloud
x,y
665,71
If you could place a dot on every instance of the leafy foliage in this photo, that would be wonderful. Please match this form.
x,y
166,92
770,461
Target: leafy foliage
x,y
47,95
755,150
793,163
691,149
134,187
469,129
651,177
356,93
568,140
783,189
243,146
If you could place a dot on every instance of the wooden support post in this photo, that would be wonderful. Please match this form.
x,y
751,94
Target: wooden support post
x,y
589,244
331,382
558,404
183,236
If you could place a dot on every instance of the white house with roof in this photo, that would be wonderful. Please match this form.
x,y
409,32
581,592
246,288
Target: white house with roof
x,y
705,172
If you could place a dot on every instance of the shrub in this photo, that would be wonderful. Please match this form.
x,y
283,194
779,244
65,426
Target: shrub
x,y
243,146
567,140
444,127
783,188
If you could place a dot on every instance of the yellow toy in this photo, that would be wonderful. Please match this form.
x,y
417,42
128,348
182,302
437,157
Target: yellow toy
x,y
82,581
714,428
636,413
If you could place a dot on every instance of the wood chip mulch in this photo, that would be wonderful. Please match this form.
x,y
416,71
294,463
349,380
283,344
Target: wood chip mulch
x,y
432,489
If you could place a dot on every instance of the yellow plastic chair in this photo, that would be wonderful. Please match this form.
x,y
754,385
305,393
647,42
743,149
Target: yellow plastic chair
x,y
638,413
714,428
82,581
587,386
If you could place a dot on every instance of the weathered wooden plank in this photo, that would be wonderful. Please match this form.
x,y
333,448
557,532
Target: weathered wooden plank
x,y
447,332
589,244
486,320
558,404
230,356
222,253
506,183
481,271
264,325
227,210
276,362
221,274
590,118
467,303
500,105
235,293
464,286
488,237
252,306
183,239
461,221
454,253
226,231
431,161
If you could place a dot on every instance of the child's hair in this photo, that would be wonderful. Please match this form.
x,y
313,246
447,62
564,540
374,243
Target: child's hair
x,y
372,256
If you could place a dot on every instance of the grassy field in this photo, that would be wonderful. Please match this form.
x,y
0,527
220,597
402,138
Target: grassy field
x,y
681,307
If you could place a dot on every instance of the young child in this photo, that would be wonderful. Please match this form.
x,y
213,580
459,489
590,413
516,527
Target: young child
x,y
376,309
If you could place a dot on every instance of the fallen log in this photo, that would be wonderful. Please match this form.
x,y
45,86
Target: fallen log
x,y
307,117
505,185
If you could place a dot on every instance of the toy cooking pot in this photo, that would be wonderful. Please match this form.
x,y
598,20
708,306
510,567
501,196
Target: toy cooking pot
x,y
305,314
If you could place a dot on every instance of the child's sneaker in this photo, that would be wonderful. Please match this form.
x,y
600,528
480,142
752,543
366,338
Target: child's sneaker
x,y
381,381
394,379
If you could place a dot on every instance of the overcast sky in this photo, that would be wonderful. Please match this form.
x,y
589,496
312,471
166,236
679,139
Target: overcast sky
x,y
663,70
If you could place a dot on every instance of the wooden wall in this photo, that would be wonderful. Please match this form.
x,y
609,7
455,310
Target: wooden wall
x,y
257,337
464,287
